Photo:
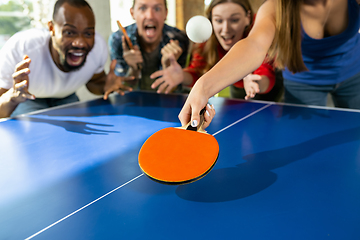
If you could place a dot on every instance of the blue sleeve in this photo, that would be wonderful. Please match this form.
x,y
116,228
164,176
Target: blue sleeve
x,y
116,52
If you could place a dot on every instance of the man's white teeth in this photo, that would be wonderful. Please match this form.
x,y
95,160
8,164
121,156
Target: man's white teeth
x,y
78,54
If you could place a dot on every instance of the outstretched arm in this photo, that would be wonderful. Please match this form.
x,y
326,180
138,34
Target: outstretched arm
x,y
243,58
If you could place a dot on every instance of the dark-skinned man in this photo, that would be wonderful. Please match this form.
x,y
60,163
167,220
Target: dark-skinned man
x,y
50,65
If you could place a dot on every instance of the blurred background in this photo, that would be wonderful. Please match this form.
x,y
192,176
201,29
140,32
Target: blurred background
x,y
17,15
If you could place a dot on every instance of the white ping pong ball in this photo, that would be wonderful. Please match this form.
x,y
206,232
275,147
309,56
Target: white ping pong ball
x,y
198,29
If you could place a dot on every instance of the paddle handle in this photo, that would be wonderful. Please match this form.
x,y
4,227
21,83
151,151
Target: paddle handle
x,y
198,128
127,39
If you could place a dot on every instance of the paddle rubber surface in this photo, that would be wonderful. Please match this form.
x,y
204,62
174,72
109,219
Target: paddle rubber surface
x,y
177,156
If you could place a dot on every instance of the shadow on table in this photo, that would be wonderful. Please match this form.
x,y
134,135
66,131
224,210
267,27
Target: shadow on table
x,y
71,126
141,104
150,106
255,175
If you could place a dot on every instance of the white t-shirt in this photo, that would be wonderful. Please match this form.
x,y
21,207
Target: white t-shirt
x,y
46,80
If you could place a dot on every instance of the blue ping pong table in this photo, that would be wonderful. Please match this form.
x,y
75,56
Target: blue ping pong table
x,y
283,172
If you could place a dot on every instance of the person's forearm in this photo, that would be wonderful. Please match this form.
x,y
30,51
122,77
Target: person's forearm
x,y
235,65
96,87
7,105
188,79
264,84
246,55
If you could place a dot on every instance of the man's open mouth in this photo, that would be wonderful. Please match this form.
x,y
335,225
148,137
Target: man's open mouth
x,y
75,58
150,30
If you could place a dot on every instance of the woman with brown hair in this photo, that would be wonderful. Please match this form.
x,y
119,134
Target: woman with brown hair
x,y
315,41
231,21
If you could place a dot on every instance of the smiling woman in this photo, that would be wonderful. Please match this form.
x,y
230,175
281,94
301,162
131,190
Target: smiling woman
x,y
231,21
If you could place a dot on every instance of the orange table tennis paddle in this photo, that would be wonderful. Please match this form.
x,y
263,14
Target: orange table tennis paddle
x,y
179,155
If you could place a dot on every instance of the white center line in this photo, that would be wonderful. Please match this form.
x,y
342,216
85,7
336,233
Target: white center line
x,y
62,219
34,235
242,119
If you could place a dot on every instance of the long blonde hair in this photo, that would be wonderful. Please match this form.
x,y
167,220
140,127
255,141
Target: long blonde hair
x,y
210,50
286,47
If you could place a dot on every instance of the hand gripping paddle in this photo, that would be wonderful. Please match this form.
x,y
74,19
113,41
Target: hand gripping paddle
x,y
179,155
128,43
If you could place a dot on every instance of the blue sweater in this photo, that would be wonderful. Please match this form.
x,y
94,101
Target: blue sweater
x,y
333,59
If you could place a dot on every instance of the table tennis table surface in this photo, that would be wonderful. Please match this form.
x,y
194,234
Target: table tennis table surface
x,y
283,172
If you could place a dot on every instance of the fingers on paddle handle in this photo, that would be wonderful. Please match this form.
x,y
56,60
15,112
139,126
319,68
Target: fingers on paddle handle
x,y
202,120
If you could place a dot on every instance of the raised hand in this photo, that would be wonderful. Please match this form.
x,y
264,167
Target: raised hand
x,y
251,85
254,84
171,49
132,57
19,92
21,81
168,78
115,83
